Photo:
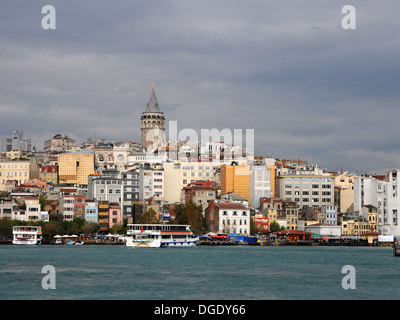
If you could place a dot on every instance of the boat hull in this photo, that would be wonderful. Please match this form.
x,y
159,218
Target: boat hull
x,y
29,242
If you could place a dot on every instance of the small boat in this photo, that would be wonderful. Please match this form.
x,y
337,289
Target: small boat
x,y
27,235
79,243
70,243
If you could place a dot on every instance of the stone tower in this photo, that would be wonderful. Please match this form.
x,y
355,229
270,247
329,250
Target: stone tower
x,y
153,124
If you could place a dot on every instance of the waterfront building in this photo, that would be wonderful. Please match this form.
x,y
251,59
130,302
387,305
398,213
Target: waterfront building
x,y
103,215
74,168
79,206
59,143
294,236
306,188
226,217
235,178
354,225
114,214
91,211
262,222
284,212
19,170
390,217
324,229
152,124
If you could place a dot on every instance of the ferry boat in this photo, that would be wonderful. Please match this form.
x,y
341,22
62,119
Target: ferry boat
x,y
160,235
27,235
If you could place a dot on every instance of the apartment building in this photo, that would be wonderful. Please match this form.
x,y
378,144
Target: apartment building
x,y
151,182
19,170
178,175
235,178
308,190
59,143
106,187
227,217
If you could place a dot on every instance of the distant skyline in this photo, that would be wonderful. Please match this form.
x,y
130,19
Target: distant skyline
x,y
310,89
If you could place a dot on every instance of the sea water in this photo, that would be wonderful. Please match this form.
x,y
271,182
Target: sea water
x,y
95,272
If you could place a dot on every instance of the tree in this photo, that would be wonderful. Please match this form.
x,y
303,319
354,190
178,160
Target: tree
x,y
42,201
274,226
149,216
117,229
191,214
6,227
90,228
52,228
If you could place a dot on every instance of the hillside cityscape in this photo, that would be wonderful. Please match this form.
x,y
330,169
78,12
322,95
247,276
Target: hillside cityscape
x,y
111,184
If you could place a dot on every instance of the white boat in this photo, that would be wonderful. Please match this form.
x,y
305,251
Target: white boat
x,y
160,235
27,235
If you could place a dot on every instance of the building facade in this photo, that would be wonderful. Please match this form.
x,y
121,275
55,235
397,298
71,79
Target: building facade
x,y
59,143
306,190
74,168
235,178
20,171
226,217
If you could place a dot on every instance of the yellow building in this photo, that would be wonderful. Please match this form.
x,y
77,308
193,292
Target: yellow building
x,y
21,171
235,178
75,167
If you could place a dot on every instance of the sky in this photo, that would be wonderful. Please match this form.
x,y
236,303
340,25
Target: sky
x,y
309,88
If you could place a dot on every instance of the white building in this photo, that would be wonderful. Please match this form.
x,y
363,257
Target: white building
x,y
151,182
382,193
325,229
227,217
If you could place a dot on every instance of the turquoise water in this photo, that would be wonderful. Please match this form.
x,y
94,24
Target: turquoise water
x,y
216,273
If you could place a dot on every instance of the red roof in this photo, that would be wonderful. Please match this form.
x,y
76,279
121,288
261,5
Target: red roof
x,y
230,206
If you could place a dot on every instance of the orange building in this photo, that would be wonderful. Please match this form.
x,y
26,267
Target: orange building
x,y
235,178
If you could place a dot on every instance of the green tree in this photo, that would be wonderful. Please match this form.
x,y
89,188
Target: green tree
x,y
90,228
274,226
42,201
191,214
6,227
118,229
52,228
149,216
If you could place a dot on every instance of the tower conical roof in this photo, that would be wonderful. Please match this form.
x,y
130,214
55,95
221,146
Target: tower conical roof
x,y
153,105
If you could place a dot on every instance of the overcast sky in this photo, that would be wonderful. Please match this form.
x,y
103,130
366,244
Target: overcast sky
x,y
329,95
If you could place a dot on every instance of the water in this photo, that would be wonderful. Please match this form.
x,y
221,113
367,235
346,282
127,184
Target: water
x,y
216,273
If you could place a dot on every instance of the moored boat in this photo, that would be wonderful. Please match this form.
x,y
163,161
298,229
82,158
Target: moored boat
x,y
27,235
160,235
